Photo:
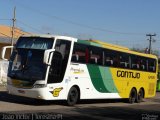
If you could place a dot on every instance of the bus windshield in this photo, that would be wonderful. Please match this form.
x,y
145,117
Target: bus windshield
x,y
26,61
35,43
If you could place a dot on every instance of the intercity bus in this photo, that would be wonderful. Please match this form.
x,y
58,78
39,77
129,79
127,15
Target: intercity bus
x,y
52,67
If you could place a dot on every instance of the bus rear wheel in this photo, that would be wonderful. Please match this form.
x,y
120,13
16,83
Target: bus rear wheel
x,y
132,96
140,96
73,96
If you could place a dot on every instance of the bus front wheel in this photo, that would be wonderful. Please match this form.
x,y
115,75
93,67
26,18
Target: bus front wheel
x,y
72,96
132,96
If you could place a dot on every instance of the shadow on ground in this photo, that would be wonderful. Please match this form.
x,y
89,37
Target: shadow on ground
x,y
80,113
4,96
90,113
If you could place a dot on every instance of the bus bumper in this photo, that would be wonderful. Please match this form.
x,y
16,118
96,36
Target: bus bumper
x,y
38,93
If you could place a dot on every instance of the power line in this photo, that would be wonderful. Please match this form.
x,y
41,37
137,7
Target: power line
x,y
25,32
16,28
29,26
4,34
150,41
78,24
5,19
21,32
10,36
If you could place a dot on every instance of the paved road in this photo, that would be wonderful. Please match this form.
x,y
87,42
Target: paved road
x,y
14,107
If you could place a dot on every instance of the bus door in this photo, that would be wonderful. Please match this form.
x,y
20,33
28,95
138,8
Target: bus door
x,y
59,61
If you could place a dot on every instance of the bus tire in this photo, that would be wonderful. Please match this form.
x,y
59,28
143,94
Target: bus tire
x,y
73,96
140,96
132,96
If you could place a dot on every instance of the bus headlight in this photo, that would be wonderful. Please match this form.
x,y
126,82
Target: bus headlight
x,y
39,86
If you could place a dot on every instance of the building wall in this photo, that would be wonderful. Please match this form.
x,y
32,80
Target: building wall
x,y
5,37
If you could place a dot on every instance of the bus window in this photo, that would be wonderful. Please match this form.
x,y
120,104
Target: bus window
x,y
124,60
80,53
139,63
95,55
143,64
135,63
108,58
116,59
151,65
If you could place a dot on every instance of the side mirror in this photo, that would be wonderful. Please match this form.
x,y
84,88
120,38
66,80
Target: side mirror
x,y
47,55
4,51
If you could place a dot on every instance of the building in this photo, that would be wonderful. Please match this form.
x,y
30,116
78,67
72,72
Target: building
x,y
5,37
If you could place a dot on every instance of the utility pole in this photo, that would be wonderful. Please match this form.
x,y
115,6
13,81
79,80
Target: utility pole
x,y
13,26
150,41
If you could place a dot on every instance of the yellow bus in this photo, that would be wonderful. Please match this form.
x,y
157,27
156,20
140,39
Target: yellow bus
x,y
53,67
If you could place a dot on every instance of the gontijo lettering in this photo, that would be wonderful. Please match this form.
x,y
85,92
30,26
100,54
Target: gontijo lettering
x,y
128,74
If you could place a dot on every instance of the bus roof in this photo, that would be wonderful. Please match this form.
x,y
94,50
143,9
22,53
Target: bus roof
x,y
50,36
114,47
95,43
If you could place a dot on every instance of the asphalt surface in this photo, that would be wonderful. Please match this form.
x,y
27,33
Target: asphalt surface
x,y
15,107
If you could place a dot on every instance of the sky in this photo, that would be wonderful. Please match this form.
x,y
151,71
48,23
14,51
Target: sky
x,y
121,22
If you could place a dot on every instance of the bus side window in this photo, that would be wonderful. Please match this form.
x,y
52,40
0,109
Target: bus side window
x,y
79,53
124,60
151,65
143,64
95,55
116,59
108,58
135,63
108,61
